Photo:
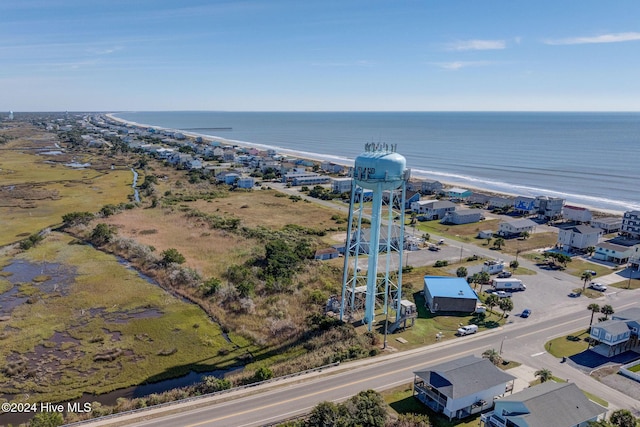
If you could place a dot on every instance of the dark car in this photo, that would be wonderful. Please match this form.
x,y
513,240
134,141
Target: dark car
x,y
575,294
526,313
504,274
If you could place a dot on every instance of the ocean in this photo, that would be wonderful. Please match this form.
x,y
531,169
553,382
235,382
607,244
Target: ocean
x,y
590,159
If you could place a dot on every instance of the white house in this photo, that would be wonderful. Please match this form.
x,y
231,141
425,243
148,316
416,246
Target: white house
x,y
544,405
516,227
576,214
631,224
578,237
618,250
609,224
341,185
461,387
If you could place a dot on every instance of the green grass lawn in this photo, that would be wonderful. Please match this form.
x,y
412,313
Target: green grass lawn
x,y
569,345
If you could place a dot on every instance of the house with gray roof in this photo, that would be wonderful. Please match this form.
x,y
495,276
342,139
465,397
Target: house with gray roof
x,y
618,250
618,334
462,216
428,210
544,405
577,238
461,387
516,227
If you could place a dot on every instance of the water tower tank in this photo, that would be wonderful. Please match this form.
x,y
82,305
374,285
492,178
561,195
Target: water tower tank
x,y
379,165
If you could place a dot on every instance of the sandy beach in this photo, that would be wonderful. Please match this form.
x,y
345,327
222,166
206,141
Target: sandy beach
x,y
598,212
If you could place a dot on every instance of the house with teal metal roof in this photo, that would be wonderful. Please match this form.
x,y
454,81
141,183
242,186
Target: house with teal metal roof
x,y
449,294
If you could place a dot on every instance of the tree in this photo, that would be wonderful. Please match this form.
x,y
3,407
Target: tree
x,y
514,265
414,218
493,355
101,234
586,277
525,235
606,310
426,237
491,301
47,419
623,418
461,272
505,305
76,218
262,374
593,308
544,375
498,243
590,250
172,256
366,409
324,414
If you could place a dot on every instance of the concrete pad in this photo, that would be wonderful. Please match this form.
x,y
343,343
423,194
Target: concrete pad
x,y
524,376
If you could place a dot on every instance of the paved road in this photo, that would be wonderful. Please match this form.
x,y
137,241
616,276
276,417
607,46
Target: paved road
x,y
522,342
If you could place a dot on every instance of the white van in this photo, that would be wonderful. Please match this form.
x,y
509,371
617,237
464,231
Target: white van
x,y
467,330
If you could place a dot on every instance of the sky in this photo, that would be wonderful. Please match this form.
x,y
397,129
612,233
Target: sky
x,y
320,55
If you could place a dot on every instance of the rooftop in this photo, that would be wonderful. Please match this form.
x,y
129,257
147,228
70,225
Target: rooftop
x,y
449,287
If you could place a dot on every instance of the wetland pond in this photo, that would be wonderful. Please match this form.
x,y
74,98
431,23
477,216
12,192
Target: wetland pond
x,y
52,278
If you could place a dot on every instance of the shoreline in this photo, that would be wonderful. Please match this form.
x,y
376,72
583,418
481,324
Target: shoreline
x,y
598,212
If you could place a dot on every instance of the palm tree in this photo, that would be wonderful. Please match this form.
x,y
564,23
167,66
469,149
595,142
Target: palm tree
x,y
586,277
606,310
493,355
506,305
594,308
525,235
498,243
491,301
414,217
544,375
461,272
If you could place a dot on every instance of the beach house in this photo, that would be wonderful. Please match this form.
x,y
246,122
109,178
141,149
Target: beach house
x,y
457,193
618,334
618,250
461,387
543,405
341,185
462,216
609,224
631,224
428,210
576,214
577,238
516,227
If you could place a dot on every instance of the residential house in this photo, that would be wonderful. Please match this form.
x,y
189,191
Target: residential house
x,y
500,202
449,294
462,216
315,179
618,250
577,238
431,187
428,210
544,405
461,387
631,224
457,193
549,207
576,214
516,227
341,185
618,334
331,167
524,205
609,224
478,199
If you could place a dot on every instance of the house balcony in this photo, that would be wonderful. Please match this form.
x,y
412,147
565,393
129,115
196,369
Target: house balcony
x,y
490,419
429,396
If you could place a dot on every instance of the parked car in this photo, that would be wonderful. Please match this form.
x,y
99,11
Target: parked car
x,y
526,313
575,294
467,330
591,272
598,287
504,274
434,248
503,294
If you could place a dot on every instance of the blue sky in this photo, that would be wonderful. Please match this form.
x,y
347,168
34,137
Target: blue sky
x,y
319,55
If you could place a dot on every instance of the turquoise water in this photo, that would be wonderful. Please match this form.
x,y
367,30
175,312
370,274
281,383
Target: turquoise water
x,y
587,158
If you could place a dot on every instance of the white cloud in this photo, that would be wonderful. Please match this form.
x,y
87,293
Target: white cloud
x,y
604,38
477,45
456,65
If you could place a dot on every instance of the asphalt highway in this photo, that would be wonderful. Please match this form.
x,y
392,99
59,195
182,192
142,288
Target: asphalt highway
x,y
522,341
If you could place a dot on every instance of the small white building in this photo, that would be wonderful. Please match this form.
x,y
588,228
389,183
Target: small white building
x,y
341,185
462,216
246,182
